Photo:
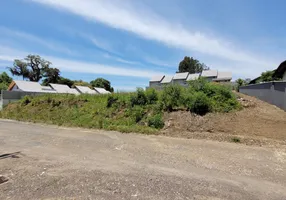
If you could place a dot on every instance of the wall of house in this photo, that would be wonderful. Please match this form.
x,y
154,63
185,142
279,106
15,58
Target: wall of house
x,y
271,92
154,84
11,96
284,76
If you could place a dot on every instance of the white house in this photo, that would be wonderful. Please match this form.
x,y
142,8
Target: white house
x,y
209,74
181,78
29,86
64,89
156,81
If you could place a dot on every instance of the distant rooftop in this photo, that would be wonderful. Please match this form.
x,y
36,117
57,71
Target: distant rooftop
x,y
192,77
181,76
209,73
63,89
85,90
101,90
29,86
157,78
223,76
167,79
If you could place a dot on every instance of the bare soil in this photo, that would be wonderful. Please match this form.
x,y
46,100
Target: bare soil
x,y
257,123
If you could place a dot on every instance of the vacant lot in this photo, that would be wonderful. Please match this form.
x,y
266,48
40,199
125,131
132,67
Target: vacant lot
x,y
58,163
258,123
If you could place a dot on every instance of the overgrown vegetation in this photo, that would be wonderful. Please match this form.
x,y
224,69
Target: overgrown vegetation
x,y
141,111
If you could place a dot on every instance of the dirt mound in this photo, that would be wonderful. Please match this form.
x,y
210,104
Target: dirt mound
x,y
258,121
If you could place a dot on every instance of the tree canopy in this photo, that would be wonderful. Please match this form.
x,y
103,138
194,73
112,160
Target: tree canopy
x,y
192,65
34,68
102,83
5,80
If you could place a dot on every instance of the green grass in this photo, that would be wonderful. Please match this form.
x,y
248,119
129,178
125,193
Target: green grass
x,y
141,111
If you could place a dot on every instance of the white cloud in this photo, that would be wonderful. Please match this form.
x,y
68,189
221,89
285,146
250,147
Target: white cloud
x,y
124,15
9,33
9,54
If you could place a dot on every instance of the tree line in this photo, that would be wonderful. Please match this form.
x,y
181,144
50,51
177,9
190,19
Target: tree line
x,y
34,68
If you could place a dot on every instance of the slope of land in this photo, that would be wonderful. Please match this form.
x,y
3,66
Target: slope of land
x,y
256,123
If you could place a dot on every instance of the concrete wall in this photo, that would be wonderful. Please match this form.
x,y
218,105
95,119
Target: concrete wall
x,y
271,92
11,96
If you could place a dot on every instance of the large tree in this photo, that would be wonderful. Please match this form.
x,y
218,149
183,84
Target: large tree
x,y
51,75
192,65
102,83
33,68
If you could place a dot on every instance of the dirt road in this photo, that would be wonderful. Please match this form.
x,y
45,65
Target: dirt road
x,y
61,163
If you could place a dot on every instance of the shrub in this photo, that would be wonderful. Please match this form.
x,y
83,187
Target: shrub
x,y
151,95
235,140
198,84
156,121
111,100
200,104
137,113
25,100
139,98
171,97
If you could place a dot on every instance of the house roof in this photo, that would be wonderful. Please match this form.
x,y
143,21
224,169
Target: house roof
x,y
101,90
73,91
157,78
63,89
193,76
167,79
223,76
29,86
181,76
209,73
279,72
85,90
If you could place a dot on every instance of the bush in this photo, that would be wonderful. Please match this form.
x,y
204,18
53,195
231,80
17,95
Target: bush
x,y
156,121
136,113
200,104
235,140
171,97
25,100
139,98
152,96
111,100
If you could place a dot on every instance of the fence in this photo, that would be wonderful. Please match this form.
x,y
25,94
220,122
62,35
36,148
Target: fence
x,y
271,92
7,97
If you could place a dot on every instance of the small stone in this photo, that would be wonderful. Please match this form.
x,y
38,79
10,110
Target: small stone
x,y
3,179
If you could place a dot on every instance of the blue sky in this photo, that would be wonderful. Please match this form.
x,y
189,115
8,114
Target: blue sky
x,y
129,41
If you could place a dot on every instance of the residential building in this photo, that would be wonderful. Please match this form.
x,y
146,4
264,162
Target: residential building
x,y
193,77
167,80
223,77
64,89
210,75
29,86
181,78
156,81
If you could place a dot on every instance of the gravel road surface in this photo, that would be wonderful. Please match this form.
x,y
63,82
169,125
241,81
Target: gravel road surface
x,y
47,162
